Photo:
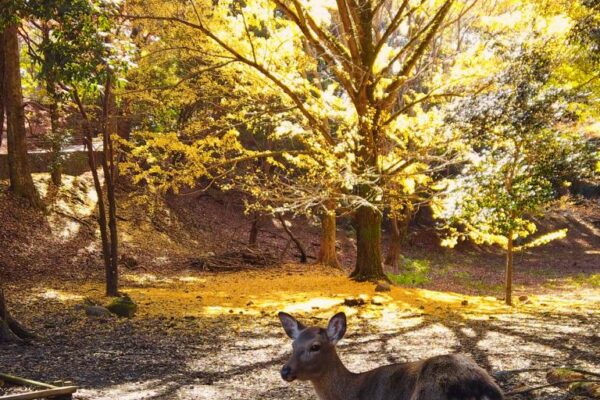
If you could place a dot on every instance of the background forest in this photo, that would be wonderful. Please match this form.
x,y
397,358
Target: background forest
x,y
429,166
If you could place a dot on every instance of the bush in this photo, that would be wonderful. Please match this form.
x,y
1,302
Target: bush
x,y
415,272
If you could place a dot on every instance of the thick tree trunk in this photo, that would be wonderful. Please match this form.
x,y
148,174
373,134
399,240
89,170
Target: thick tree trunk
x,y
21,182
398,241
369,264
509,271
327,250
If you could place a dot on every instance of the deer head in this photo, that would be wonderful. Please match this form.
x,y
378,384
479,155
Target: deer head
x,y
313,347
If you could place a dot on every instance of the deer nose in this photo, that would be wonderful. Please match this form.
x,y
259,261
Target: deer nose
x,y
286,374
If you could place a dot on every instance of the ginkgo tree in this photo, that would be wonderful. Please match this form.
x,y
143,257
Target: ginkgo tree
x,y
368,56
515,132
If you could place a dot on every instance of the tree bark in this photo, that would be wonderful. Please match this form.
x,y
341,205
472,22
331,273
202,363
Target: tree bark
x,y
327,250
369,264
253,231
10,329
2,102
54,110
509,271
110,172
102,219
399,238
21,182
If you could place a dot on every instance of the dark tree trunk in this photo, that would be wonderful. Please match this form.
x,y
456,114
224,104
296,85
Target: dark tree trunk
x,y
54,111
1,88
110,173
369,264
399,239
509,271
102,219
10,329
254,230
21,182
327,249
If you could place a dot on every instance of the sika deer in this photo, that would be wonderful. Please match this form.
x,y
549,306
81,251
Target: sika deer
x,y
314,358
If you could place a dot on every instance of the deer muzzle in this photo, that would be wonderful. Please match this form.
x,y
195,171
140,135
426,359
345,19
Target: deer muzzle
x,y
287,374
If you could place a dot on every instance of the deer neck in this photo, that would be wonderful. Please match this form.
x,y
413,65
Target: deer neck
x,y
337,383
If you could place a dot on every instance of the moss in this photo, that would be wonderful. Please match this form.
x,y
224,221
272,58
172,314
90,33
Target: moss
x,y
122,307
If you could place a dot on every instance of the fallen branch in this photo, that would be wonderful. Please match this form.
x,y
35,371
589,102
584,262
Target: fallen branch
x,y
235,260
299,246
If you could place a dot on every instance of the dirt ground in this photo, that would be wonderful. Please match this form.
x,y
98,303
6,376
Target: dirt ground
x,y
207,335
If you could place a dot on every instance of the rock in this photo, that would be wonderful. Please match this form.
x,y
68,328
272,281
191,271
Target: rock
x,y
122,307
523,298
464,303
97,311
354,301
383,287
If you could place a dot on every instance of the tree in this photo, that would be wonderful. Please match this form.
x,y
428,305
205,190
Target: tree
x,y
21,181
81,57
369,53
515,131
10,329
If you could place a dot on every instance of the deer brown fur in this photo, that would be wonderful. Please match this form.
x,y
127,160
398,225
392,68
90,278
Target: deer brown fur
x,y
314,358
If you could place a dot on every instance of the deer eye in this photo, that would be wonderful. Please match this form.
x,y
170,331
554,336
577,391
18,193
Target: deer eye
x,y
315,347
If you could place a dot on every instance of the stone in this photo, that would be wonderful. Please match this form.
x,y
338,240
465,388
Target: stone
x,y
354,301
523,298
464,303
123,307
97,311
383,287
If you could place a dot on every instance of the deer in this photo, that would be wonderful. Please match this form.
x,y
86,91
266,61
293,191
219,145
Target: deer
x,y
315,359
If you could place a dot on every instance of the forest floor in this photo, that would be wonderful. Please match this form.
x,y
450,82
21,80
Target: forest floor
x,y
202,334
217,336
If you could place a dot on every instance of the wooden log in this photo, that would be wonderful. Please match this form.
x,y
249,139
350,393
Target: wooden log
x,y
24,382
62,392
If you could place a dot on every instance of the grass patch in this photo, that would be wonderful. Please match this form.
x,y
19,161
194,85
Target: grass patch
x,y
589,280
414,272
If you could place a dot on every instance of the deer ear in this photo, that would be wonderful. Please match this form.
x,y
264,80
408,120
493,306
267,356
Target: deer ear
x,y
290,325
336,328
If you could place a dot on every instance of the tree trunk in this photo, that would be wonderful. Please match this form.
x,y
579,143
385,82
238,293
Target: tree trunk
x,y
110,172
254,231
21,182
509,271
369,264
10,329
399,238
1,88
102,220
54,111
327,250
